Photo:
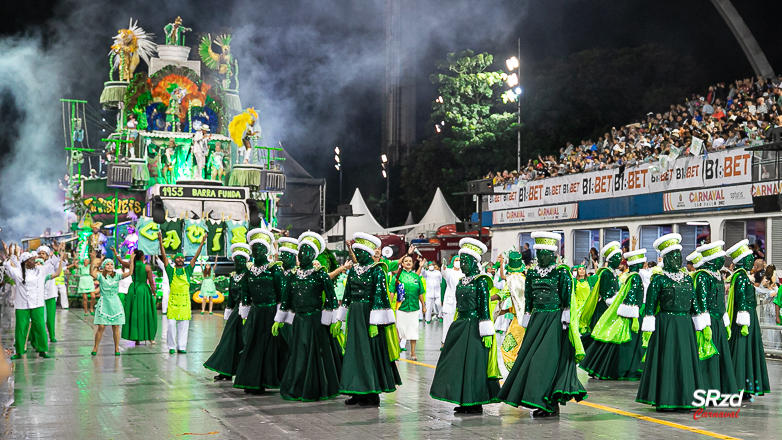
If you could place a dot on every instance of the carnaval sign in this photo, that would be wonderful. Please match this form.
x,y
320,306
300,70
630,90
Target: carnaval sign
x,y
689,172
719,197
538,214
102,201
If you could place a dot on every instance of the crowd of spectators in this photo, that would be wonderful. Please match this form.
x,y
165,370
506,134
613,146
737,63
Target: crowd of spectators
x,y
727,116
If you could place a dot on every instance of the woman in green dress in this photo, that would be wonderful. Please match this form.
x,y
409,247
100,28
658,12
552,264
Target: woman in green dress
x,y
413,288
225,359
617,349
140,302
368,368
109,310
308,305
467,373
545,375
602,294
671,371
717,370
264,357
746,343
86,285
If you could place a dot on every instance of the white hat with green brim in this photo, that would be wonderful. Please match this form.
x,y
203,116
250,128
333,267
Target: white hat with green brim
x,y
287,244
696,259
739,250
313,240
668,243
547,241
635,257
711,251
262,236
240,249
365,242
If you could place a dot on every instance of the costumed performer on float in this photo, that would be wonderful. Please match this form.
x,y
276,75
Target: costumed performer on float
x,y
671,372
29,281
109,310
369,366
545,375
467,373
179,312
225,359
308,305
617,351
264,358
746,342
514,290
603,292
717,370
241,129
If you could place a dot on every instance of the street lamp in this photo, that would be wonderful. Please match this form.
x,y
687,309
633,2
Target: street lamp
x,y
513,82
384,163
338,166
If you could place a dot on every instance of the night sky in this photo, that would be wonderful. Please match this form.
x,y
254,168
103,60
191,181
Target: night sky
x,y
315,68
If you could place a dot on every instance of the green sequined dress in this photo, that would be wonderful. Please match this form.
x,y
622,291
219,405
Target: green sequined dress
x,y
367,366
315,362
717,371
618,361
606,287
545,373
749,357
140,308
264,357
225,359
671,372
464,374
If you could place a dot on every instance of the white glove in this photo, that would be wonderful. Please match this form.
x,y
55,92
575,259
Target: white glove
x,y
244,311
227,314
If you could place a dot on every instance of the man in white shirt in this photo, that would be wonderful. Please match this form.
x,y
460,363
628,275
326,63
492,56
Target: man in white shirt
x,y
433,279
451,276
29,304
49,292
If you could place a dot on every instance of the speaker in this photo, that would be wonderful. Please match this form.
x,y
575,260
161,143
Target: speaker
x,y
158,210
254,213
345,210
762,204
480,187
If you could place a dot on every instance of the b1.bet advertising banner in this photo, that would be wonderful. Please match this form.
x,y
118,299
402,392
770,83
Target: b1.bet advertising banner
x,y
722,168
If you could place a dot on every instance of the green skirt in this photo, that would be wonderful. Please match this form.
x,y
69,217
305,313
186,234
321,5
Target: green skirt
x,y
749,358
717,371
671,372
225,359
264,357
140,314
461,376
545,373
366,368
586,338
315,363
609,361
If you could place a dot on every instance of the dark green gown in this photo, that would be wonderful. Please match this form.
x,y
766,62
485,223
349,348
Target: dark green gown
x,y
749,357
264,357
610,361
717,371
462,375
545,373
140,308
671,372
607,287
367,367
225,359
315,363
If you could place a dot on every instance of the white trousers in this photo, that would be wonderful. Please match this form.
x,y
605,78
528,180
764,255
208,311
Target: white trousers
x,y
181,334
433,307
165,300
447,321
63,292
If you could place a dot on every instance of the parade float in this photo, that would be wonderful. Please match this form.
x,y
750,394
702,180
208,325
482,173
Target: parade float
x,y
185,158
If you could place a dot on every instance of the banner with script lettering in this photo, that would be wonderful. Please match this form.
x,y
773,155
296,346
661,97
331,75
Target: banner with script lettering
x,y
539,214
720,197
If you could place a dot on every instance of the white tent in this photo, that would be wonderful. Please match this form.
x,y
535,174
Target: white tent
x,y
365,223
438,214
409,220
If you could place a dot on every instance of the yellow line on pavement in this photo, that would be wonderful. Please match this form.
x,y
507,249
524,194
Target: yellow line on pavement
x,y
624,413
